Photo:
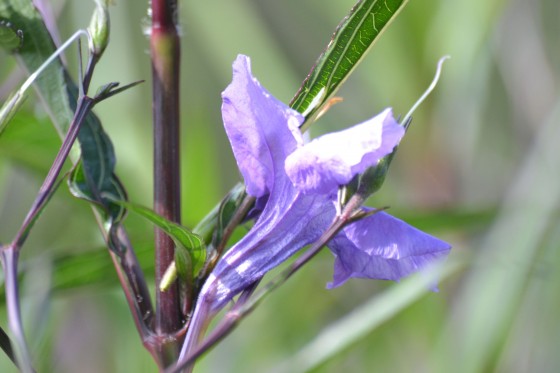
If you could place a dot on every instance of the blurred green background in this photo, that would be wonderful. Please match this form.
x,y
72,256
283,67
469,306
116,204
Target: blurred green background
x,y
479,168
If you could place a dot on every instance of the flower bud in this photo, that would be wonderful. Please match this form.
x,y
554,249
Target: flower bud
x,y
99,27
374,177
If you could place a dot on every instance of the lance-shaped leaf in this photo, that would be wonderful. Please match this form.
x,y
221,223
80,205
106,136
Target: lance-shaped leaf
x,y
227,210
183,238
59,94
6,345
9,108
101,195
351,41
220,216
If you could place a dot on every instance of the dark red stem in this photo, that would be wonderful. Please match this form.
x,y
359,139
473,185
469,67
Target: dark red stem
x,y
165,52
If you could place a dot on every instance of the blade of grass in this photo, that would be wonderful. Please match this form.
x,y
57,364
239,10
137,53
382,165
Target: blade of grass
x,y
493,290
348,330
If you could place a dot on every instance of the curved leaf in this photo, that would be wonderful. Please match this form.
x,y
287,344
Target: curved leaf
x,y
101,195
60,94
351,41
11,38
9,108
181,236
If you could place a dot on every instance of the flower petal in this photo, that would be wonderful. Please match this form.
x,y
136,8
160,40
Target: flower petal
x,y
262,132
277,235
383,247
259,128
334,159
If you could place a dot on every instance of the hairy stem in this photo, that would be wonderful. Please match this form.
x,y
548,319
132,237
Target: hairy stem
x,y
165,52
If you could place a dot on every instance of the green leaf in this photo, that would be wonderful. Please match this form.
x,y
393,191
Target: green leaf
x,y
183,238
343,333
89,268
220,216
6,345
86,268
100,195
227,210
183,265
351,41
9,108
60,95
38,46
11,38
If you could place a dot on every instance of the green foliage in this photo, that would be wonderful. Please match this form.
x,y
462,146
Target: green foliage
x,y
467,147
191,245
102,195
352,40
9,108
28,142
226,212
95,177
36,48
10,37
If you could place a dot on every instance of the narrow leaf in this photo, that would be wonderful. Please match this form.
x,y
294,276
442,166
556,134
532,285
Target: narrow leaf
x,y
100,195
9,108
345,332
6,345
181,236
86,268
351,41
60,95
38,46
183,265
227,210
91,268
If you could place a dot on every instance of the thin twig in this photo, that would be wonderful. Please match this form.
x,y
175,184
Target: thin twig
x,y
46,190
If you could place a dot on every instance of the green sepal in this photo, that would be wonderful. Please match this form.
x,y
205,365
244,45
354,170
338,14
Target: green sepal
x,y
99,27
374,177
227,210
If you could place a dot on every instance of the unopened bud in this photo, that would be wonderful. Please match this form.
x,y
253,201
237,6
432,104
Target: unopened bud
x,y
99,27
372,179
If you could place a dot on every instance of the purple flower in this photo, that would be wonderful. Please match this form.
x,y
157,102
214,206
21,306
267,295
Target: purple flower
x,y
298,184
296,187
383,247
